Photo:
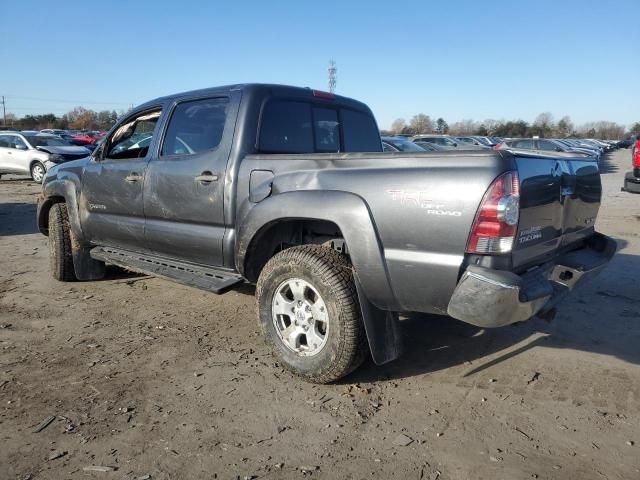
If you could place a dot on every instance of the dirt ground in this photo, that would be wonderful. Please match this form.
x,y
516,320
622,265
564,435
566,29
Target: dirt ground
x,y
155,380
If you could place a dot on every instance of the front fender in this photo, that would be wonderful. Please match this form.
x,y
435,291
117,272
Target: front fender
x,y
349,212
60,187
64,186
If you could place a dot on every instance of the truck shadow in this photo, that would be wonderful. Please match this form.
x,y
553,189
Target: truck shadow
x,y
17,219
601,318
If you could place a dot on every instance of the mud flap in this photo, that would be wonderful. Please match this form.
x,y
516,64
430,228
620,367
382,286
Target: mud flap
x,y
382,330
84,266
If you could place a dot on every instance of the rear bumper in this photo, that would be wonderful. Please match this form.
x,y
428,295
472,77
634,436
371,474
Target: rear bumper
x,y
493,298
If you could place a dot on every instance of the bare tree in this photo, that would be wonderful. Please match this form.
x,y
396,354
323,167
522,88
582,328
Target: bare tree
x,y
421,123
543,125
398,125
565,127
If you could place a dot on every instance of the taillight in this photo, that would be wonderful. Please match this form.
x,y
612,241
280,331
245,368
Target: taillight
x,y
636,158
495,225
500,146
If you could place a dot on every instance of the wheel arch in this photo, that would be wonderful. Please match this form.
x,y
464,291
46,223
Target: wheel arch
x,y
43,212
282,233
274,217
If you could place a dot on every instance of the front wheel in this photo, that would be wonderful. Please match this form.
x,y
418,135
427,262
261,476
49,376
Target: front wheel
x,y
60,247
37,172
309,313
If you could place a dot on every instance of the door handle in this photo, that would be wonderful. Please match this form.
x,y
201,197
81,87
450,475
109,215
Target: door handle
x,y
133,177
206,177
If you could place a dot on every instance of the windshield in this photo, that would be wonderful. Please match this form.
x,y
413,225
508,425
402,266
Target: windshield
x,y
405,145
46,141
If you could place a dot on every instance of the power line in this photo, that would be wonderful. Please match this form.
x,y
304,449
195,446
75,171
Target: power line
x,y
39,99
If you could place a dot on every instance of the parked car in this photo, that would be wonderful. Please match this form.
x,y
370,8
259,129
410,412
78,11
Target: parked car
x,y
85,138
632,178
471,140
543,144
401,144
25,153
486,141
4,128
289,188
592,151
445,141
53,131
430,147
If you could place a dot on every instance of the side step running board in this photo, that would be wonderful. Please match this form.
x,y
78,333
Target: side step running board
x,y
209,279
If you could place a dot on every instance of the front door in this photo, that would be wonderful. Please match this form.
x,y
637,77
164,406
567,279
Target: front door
x,y
184,184
111,206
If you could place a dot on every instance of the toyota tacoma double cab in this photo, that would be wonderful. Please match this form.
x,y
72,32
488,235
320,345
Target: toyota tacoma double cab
x,y
289,188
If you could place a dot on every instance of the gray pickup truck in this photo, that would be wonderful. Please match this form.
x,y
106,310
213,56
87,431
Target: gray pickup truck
x,y
289,188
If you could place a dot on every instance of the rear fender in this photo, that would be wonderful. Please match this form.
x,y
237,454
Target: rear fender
x,y
351,214
348,211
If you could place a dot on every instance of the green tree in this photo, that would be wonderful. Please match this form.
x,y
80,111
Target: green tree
x,y
441,125
635,129
482,130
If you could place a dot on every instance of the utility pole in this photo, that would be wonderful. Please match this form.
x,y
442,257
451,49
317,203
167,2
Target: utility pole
x,y
332,76
4,111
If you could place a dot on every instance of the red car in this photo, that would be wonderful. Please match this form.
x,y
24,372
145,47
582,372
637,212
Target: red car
x,y
632,179
85,138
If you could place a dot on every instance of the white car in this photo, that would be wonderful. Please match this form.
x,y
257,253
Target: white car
x,y
26,153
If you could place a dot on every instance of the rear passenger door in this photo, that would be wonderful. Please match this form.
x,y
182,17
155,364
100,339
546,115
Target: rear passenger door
x,y
185,184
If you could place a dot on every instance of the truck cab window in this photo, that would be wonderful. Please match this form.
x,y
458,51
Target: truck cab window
x,y
360,132
133,138
286,127
326,130
195,126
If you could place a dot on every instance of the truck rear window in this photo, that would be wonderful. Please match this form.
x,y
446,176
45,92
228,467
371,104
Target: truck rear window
x,y
289,126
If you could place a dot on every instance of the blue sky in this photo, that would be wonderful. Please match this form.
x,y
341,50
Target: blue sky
x,y
455,59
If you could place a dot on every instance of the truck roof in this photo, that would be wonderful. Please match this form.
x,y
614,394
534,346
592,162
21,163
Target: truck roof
x,y
259,89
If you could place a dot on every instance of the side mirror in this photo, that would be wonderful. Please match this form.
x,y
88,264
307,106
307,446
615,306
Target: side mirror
x,y
455,144
21,147
558,149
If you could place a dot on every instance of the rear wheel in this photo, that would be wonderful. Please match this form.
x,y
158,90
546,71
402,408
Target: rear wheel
x,y
37,172
60,250
309,313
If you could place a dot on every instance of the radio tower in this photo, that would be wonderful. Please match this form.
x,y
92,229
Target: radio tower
x,y
332,76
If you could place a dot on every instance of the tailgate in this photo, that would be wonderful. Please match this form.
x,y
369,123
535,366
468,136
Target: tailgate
x,y
559,202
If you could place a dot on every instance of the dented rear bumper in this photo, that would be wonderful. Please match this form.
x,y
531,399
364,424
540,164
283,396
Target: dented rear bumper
x,y
493,298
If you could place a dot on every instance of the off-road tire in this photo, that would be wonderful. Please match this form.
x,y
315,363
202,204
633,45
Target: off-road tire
x,y
60,252
332,275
